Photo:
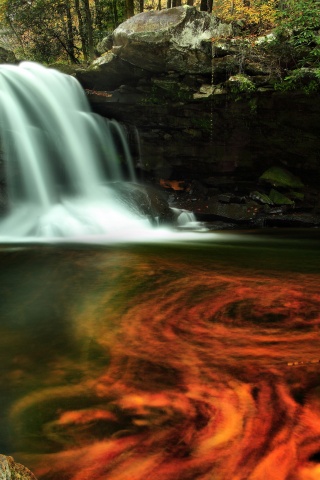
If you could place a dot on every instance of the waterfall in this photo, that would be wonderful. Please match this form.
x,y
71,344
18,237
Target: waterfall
x,y
60,159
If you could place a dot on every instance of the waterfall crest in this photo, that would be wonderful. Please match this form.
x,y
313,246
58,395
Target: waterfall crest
x,y
59,158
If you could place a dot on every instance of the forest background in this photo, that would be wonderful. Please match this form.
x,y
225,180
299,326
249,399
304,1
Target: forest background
x,y
68,31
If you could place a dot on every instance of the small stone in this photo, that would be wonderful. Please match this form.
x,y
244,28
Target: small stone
x,y
192,132
260,197
10,470
206,89
225,198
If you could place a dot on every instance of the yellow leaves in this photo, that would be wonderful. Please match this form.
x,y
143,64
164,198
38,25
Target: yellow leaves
x,y
257,12
3,11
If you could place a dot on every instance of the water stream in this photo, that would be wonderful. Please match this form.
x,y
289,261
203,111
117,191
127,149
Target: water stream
x,y
62,161
191,360
184,358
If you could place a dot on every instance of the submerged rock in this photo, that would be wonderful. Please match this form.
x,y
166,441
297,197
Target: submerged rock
x,y
146,201
10,470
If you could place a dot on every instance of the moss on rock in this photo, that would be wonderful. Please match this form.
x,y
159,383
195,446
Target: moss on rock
x,y
280,177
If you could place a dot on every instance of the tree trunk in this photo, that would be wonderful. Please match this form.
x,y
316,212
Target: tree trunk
x,y
190,3
98,14
82,35
69,35
17,35
88,27
65,47
115,13
129,8
169,3
141,6
203,5
159,5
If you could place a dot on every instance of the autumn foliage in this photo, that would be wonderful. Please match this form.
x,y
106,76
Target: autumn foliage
x,y
253,12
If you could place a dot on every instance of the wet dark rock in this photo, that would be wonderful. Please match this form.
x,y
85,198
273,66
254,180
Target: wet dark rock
x,y
197,188
218,142
292,220
145,200
219,225
212,209
206,110
234,211
225,198
229,211
108,72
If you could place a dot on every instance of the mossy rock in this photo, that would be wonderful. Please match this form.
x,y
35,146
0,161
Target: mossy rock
x,y
64,68
297,195
280,177
240,83
279,199
261,197
173,89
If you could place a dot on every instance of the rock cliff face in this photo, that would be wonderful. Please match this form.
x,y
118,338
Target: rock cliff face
x,y
202,100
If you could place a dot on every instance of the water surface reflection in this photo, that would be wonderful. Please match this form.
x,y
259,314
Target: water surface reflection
x,y
163,362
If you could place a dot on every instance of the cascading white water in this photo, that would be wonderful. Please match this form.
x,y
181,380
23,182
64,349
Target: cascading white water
x,y
59,158
62,163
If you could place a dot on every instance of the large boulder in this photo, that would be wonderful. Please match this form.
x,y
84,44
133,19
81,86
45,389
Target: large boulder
x,y
176,39
108,72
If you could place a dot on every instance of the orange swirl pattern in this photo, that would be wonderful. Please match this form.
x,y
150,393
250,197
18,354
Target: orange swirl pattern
x,y
201,381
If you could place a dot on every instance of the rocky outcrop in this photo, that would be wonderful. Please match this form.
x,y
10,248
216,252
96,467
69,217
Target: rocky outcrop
x,y
202,138
206,109
177,39
182,41
10,470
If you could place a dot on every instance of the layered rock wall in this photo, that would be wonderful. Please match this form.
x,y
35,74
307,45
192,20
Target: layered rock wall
x,y
201,101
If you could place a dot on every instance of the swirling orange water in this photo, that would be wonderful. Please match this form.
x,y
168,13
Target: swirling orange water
x,y
199,372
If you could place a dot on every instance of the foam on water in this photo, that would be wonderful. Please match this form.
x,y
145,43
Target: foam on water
x,y
60,160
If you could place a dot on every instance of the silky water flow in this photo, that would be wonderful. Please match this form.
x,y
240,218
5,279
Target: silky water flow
x,y
145,361
61,160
